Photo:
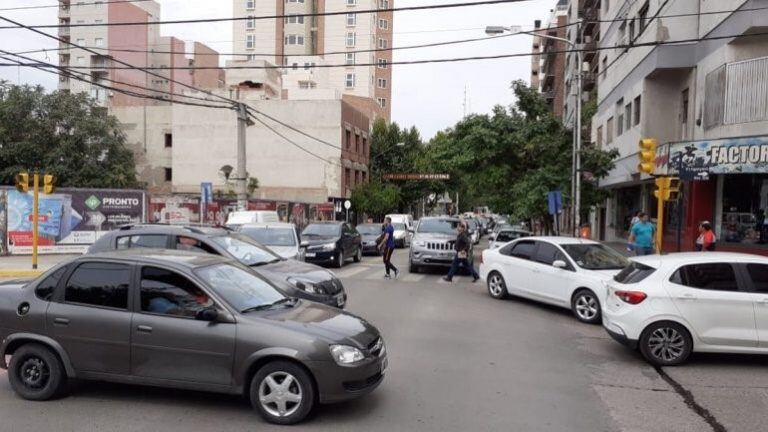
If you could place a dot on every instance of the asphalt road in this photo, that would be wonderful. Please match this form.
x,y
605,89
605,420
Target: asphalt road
x,y
459,361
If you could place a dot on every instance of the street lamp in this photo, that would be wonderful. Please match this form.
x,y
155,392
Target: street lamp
x,y
576,156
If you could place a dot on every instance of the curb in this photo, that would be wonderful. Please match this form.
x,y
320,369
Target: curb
x,y
20,273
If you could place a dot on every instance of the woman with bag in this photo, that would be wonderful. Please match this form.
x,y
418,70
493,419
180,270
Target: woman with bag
x,y
462,255
707,239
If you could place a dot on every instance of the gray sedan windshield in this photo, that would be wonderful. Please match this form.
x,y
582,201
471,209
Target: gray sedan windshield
x,y
241,289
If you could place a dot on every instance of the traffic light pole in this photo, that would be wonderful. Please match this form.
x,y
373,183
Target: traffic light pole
x,y
35,216
660,199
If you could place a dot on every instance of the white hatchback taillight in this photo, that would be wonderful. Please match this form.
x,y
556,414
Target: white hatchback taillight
x,y
631,297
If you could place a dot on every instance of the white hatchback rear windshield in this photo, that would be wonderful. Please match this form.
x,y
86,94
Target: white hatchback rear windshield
x,y
634,273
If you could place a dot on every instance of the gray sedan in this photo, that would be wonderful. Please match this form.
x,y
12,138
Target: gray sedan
x,y
183,320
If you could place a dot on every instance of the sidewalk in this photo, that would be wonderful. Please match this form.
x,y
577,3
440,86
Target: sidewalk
x,y
20,266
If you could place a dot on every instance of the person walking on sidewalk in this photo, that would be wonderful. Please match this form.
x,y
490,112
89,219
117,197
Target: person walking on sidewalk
x,y
387,246
641,236
462,246
707,239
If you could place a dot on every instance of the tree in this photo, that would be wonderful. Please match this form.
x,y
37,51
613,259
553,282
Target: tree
x,y
375,199
64,134
253,184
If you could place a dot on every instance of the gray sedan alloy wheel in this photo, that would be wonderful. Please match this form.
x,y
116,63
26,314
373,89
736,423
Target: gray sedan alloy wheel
x,y
283,392
280,394
497,288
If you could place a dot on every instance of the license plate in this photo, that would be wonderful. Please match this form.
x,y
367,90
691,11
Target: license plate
x,y
340,300
310,255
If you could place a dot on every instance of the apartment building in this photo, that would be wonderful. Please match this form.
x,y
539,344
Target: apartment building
x,y
139,46
706,102
301,43
548,64
584,32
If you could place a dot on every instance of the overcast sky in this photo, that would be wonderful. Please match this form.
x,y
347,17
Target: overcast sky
x,y
428,96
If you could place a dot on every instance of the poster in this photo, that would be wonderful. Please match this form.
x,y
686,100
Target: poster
x,y
69,220
696,160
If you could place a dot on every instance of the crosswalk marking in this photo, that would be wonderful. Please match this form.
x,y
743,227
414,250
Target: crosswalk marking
x,y
411,277
351,271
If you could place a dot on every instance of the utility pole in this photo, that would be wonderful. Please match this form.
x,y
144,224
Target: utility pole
x,y
241,187
35,216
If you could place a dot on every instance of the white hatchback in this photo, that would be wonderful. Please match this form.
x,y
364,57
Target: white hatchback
x,y
562,271
672,305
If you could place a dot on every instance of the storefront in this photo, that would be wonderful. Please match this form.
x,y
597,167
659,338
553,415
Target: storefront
x,y
726,183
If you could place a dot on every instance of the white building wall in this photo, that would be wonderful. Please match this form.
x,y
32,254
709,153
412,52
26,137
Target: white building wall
x,y
264,31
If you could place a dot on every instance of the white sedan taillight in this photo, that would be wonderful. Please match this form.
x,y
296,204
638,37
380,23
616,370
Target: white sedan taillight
x,y
631,297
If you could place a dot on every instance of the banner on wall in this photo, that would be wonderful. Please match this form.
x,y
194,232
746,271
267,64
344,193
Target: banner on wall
x,y
696,160
71,220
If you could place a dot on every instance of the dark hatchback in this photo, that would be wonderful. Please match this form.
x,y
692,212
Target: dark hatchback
x,y
184,320
369,234
331,243
294,278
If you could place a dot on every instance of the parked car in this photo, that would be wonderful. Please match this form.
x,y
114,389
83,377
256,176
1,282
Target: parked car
x,y
433,243
295,278
331,243
235,219
185,320
562,271
369,234
402,235
404,219
672,305
506,235
281,238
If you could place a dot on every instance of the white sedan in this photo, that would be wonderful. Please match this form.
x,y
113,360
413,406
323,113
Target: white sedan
x,y
567,272
669,306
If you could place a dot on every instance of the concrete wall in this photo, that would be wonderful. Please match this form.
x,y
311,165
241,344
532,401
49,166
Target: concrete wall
x,y
145,128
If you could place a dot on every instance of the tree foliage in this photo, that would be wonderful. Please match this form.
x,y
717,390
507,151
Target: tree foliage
x,y
375,199
63,134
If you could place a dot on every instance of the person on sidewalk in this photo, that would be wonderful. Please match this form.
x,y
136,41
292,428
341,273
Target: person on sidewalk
x,y
641,236
462,246
387,247
707,240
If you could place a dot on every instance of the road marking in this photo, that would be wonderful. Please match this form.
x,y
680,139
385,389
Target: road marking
x,y
345,273
412,277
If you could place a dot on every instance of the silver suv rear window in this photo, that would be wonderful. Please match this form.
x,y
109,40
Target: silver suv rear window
x,y
634,273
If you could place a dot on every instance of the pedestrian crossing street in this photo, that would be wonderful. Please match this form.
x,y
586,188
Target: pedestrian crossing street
x,y
372,269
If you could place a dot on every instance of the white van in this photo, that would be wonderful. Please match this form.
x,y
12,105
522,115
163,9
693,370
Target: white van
x,y
238,218
403,219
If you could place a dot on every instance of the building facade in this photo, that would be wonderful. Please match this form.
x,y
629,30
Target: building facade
x,y
705,101
304,42
548,62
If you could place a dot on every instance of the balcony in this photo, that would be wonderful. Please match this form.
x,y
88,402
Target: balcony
x,y
64,31
590,49
588,81
548,95
65,12
99,62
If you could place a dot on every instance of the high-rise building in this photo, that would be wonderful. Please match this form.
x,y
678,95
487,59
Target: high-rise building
x,y
140,46
302,42
548,64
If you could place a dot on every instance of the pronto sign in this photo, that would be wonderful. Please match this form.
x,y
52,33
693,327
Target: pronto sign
x,y
412,176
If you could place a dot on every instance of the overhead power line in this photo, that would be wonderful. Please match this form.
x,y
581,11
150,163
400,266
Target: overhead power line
x,y
130,66
292,142
271,17
73,5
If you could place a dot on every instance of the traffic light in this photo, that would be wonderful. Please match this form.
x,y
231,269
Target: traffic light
x,y
674,188
667,188
22,182
647,155
49,184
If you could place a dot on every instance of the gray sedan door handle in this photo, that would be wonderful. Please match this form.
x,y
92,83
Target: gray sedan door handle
x,y
61,321
144,329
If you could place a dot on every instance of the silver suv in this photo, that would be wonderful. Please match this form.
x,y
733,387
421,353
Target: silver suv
x,y
433,244
184,320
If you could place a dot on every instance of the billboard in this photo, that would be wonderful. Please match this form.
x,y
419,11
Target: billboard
x,y
70,220
698,159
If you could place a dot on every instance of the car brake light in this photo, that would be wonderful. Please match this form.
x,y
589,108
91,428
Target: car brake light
x,y
631,297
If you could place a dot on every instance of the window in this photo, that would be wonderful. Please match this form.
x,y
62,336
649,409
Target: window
x,y
599,137
154,241
609,131
293,19
80,42
99,42
638,105
684,107
710,276
168,140
349,80
250,4
382,102
80,61
642,16
604,69
351,39
168,174
547,254
351,2
523,250
383,24
383,4
351,19
382,63
357,143
239,287
631,30
759,275
99,284
382,83
46,288
628,116
633,273
294,40
382,43
98,4
350,60
168,293
193,245
294,1
250,23
250,41
348,140
620,118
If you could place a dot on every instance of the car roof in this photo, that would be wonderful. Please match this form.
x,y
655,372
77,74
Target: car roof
x,y
680,258
449,218
268,225
560,240
326,223
165,228
161,256
510,229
